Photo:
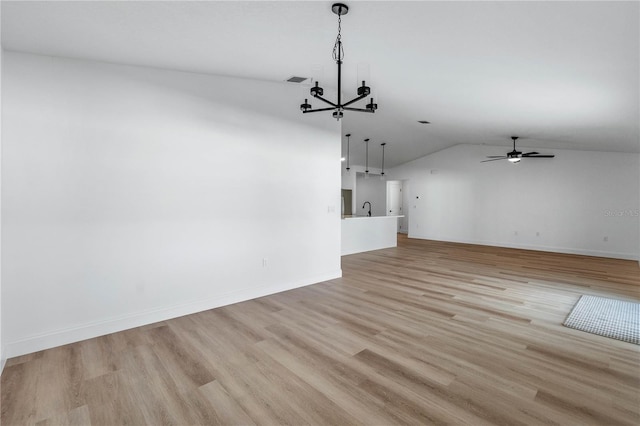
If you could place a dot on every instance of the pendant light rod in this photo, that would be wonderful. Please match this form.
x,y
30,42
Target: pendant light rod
x,y
366,141
338,55
383,144
348,135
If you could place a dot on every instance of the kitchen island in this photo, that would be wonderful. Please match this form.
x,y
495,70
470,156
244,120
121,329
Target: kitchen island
x,y
366,233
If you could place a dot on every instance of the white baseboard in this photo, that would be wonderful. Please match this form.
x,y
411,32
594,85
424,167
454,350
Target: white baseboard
x,y
112,325
564,250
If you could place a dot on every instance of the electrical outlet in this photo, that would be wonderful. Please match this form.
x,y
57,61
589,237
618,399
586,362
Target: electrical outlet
x,y
537,234
265,262
515,232
605,239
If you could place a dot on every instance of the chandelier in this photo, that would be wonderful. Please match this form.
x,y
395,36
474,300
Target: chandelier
x,y
316,91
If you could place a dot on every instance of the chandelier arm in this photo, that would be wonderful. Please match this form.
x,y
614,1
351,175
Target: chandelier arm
x,y
358,109
354,100
319,109
326,101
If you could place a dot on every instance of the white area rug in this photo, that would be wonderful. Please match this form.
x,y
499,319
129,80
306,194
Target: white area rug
x,y
606,317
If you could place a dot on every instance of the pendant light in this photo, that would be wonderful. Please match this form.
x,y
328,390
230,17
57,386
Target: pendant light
x,y
366,168
348,135
382,174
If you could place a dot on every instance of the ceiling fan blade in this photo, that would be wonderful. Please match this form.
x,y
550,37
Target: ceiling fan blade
x,y
540,156
496,156
494,159
526,154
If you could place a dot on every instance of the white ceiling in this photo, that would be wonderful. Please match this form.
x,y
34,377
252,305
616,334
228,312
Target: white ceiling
x,y
558,74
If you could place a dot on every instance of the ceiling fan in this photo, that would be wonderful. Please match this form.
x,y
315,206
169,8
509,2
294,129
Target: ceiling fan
x,y
515,156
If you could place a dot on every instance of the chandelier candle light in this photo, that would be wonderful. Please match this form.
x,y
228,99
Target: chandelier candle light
x,y
316,91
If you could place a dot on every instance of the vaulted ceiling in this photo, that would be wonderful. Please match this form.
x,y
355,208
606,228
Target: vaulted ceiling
x,y
557,74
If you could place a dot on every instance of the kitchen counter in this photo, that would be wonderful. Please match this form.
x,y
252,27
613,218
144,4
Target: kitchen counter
x,y
366,233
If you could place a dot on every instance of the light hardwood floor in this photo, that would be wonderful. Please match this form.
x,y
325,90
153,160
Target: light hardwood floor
x,y
426,333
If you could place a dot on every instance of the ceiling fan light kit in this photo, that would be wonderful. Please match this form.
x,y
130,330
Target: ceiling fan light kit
x,y
317,92
515,156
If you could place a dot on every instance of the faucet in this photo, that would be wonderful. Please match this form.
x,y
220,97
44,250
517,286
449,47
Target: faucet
x,y
365,203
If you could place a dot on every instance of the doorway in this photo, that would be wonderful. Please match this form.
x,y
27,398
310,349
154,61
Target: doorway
x,y
394,201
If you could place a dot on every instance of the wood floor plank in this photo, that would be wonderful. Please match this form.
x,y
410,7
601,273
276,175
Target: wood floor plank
x,y
111,401
76,417
425,333
226,408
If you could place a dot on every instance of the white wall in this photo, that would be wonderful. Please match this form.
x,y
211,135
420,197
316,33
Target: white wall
x,y
566,204
373,190
132,195
349,182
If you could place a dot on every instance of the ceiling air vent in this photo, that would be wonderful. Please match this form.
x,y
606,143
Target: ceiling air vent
x,y
423,122
295,79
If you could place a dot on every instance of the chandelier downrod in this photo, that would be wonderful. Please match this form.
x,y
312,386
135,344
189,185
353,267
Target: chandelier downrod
x,y
338,55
